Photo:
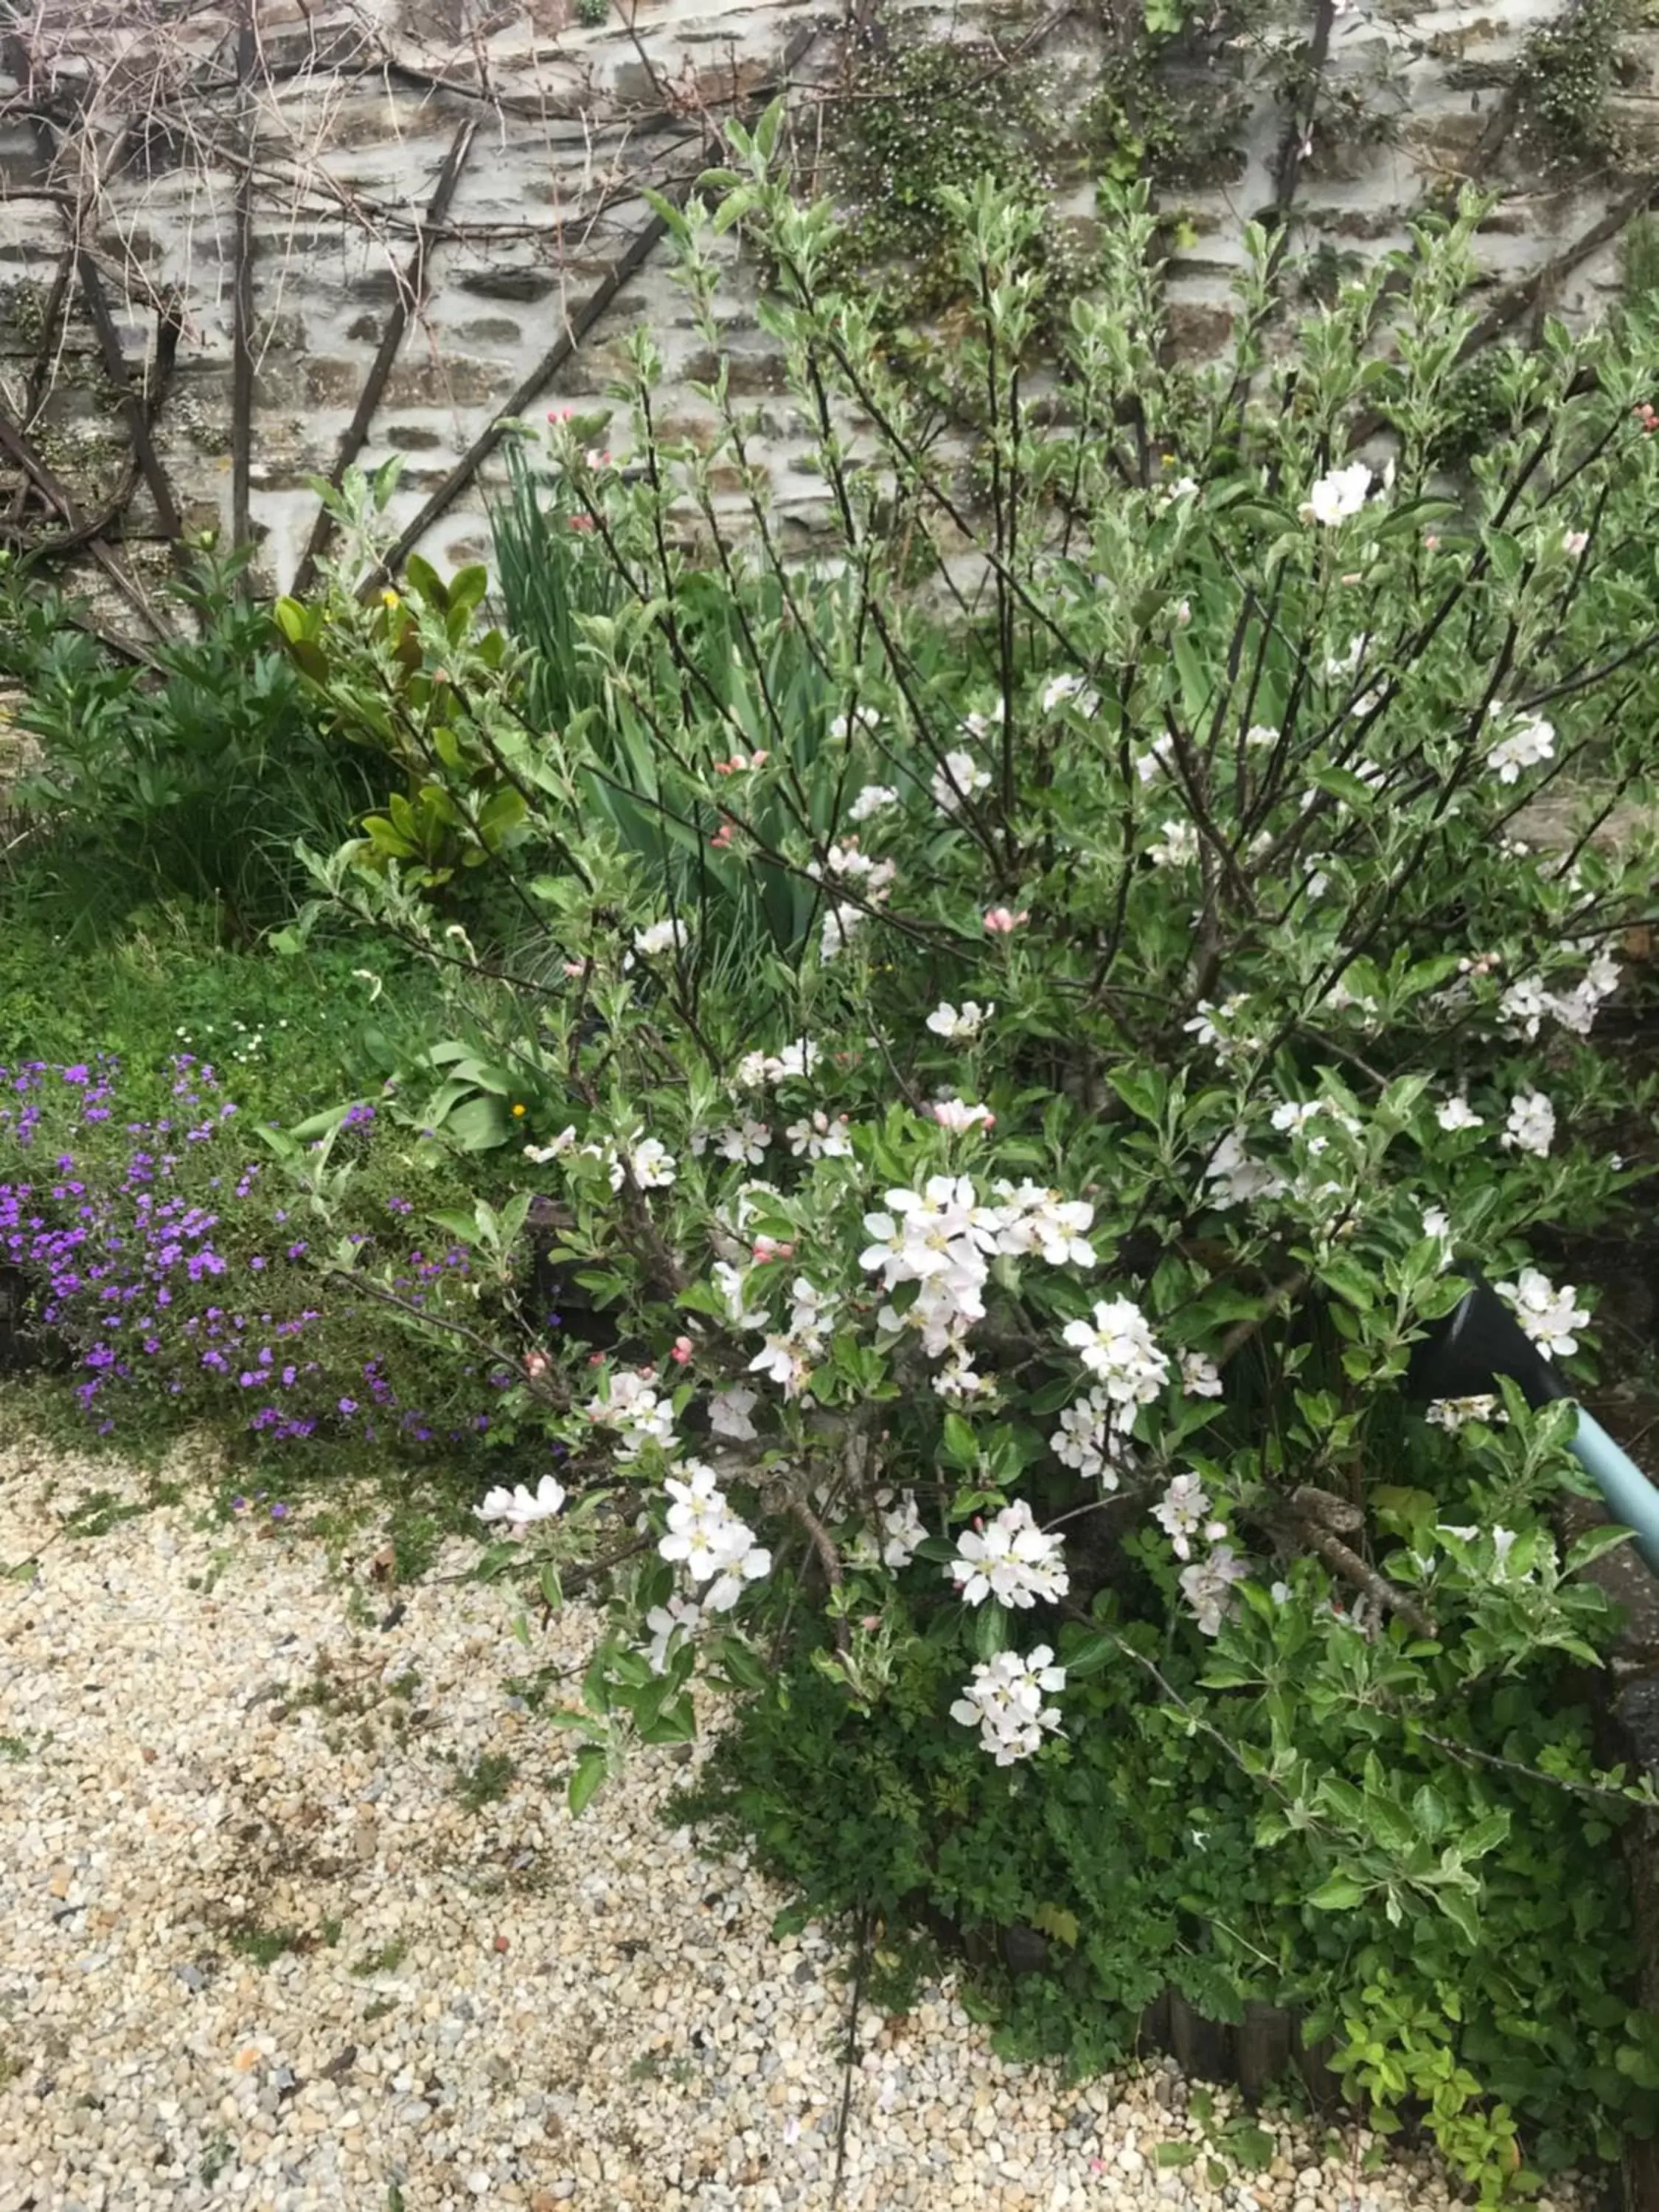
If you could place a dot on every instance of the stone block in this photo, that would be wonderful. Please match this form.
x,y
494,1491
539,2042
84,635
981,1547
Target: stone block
x,y
521,284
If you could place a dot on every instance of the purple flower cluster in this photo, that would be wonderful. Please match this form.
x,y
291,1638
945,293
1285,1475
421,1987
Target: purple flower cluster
x,y
159,1265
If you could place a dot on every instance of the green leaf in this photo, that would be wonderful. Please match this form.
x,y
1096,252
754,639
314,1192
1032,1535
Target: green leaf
x,y
590,1772
1391,1825
479,1126
960,1447
1144,1091
1174,2154
1349,1280
1253,2146
1338,1893
990,1629
423,578
1593,1545
1054,1920
1089,1656
1342,783
1459,1907
1429,1812
468,585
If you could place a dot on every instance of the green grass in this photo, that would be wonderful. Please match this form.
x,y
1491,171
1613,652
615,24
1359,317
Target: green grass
x,y
284,1034
387,1960
488,1782
264,1946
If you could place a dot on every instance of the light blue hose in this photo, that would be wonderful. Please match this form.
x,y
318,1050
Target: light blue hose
x,y
1631,1497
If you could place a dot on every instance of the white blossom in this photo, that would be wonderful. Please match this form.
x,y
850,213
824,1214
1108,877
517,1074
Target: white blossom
x,y
731,1283
670,1625
1087,1442
520,1508
1531,1125
782,1361
1207,1585
873,799
1117,1347
713,1543
958,777
1523,746
897,1533
966,1021
1153,763
810,1312
653,1166
957,1114
636,1410
847,859
661,937
817,1137
942,1238
1451,1413
1218,1028
745,1561
1549,1316
746,1142
728,1413
1457,1114
1005,1701
1576,1010
1176,846
1238,1179
1035,1219
1011,1559
861,718
1183,1512
1338,495
959,1380
837,932
1523,1005
1295,1114
755,1068
1200,1375
1077,689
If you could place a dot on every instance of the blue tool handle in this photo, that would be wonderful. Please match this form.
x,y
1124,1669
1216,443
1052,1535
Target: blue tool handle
x,y
1631,1497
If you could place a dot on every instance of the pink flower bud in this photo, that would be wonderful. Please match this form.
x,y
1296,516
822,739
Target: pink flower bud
x,y
682,1350
1002,921
536,1365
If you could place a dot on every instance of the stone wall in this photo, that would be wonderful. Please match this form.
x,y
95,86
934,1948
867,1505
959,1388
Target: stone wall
x,y
159,140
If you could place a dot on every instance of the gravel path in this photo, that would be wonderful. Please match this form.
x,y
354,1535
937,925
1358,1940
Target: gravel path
x,y
210,1748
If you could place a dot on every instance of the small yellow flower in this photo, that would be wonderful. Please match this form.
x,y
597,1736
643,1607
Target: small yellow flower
x,y
388,598
517,1111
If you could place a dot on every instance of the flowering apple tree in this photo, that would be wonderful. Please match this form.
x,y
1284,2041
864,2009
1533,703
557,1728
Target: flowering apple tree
x,y
1019,1021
